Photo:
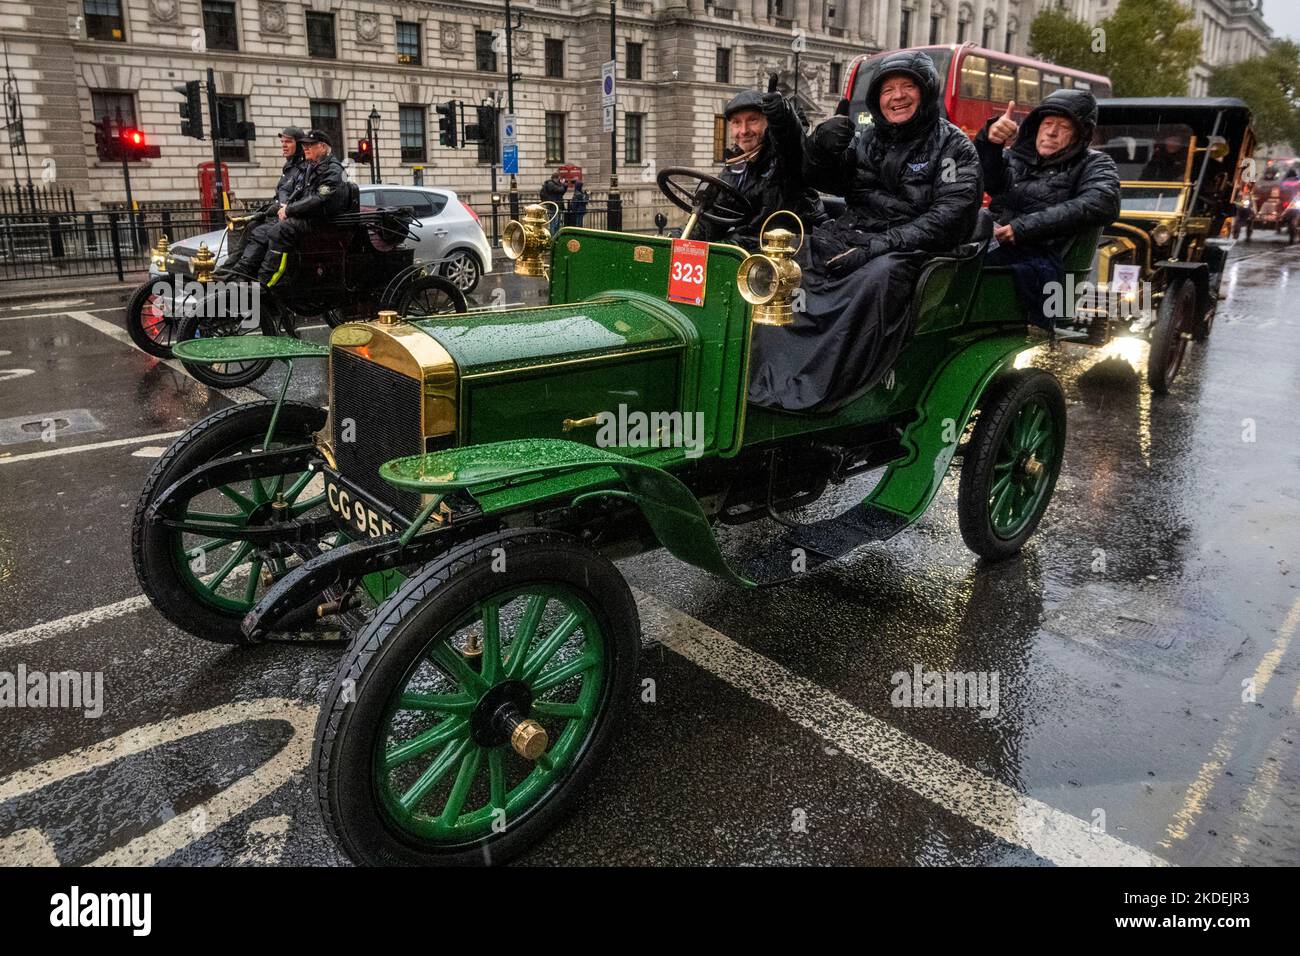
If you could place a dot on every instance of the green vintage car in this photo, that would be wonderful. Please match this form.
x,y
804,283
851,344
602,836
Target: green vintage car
x,y
456,510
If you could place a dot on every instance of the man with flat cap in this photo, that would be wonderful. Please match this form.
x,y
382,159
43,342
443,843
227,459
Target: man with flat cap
x,y
764,162
323,195
292,175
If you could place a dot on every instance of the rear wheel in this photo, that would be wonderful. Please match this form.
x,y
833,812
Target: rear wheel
x,y
1174,326
426,295
227,374
205,584
151,319
477,703
462,270
1010,466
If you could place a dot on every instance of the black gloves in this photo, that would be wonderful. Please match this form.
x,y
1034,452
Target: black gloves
x,y
834,135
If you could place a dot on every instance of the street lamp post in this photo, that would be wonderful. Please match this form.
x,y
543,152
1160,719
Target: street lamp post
x,y
510,102
615,216
372,121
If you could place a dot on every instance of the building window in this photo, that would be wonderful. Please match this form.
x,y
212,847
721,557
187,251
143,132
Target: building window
x,y
555,137
408,43
1011,39
117,109
987,36
410,123
633,60
320,35
219,25
719,139
231,110
485,58
104,20
904,28
554,58
327,116
963,28
722,66
934,30
837,78
633,124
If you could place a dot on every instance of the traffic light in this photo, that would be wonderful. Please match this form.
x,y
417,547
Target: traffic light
x,y
485,130
136,146
447,135
107,145
363,153
191,109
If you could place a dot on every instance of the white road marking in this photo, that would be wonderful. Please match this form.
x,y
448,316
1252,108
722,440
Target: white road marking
x,y
57,303
1212,770
73,622
92,446
993,806
50,315
28,847
183,829
240,395
265,841
149,451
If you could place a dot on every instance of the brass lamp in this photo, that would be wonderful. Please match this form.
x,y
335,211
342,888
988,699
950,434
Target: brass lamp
x,y
160,255
203,262
768,279
528,242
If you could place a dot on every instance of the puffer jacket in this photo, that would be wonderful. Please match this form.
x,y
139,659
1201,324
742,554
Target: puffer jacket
x,y
1047,201
292,177
324,194
772,180
908,187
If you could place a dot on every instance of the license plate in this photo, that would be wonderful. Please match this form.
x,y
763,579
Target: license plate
x,y
361,517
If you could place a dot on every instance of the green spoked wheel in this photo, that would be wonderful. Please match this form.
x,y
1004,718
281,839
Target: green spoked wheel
x,y
205,583
1175,325
1012,462
477,702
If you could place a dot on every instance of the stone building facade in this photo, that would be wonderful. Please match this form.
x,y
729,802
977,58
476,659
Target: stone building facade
x,y
331,62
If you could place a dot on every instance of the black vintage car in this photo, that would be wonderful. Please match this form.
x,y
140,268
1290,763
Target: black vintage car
x,y
1158,266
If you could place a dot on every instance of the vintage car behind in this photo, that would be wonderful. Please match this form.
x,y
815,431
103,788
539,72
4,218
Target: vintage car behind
x,y
1275,195
1159,266
457,507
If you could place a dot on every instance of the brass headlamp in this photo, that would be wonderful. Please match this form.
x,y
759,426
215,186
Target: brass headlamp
x,y
768,279
160,255
528,242
203,263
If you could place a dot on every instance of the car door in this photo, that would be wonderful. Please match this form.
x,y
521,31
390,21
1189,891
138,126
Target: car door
x,y
431,235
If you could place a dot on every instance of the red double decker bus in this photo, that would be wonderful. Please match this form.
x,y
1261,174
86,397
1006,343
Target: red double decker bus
x,y
977,83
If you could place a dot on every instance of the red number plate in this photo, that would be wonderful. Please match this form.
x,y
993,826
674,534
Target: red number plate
x,y
687,270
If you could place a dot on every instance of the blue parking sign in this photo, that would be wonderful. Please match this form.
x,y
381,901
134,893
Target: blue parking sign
x,y
510,160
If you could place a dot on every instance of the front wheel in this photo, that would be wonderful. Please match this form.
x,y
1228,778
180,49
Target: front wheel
x,y
477,703
1010,467
151,316
1175,324
227,374
428,295
462,270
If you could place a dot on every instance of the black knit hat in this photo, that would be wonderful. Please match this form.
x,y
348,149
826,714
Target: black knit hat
x,y
744,100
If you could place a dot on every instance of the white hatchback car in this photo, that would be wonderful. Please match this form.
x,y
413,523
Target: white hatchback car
x,y
447,231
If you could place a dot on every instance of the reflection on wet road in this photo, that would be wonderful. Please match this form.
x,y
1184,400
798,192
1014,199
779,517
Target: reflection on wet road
x,y
1144,644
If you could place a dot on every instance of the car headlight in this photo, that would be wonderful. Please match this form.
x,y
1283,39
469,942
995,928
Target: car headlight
x,y
758,280
512,239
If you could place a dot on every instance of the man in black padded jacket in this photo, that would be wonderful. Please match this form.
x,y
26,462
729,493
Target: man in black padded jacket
x,y
1047,187
765,163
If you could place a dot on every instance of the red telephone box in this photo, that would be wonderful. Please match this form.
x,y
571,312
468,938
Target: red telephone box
x,y
570,174
208,185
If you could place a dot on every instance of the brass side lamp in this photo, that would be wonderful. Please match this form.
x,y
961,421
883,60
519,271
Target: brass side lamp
x,y
528,242
768,278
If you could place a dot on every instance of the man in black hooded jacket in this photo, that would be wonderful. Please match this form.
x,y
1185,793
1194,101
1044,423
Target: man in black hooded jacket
x,y
1047,186
765,163
911,182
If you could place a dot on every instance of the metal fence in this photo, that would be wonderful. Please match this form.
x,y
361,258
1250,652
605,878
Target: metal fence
x,y
17,200
47,245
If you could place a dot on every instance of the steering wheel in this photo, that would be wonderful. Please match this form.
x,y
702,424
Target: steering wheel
x,y
708,190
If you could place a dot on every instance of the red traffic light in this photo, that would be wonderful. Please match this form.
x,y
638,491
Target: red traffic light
x,y
136,146
362,154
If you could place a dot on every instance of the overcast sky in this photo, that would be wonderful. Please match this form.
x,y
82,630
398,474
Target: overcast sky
x,y
1284,17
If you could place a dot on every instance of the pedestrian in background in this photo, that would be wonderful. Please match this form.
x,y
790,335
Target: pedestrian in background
x,y
553,190
578,204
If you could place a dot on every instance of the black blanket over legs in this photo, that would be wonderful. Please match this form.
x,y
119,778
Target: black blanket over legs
x,y
844,340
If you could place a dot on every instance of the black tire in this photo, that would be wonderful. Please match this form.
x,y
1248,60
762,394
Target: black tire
x,y
1006,398
154,549
1175,323
381,658
462,270
429,295
233,374
155,333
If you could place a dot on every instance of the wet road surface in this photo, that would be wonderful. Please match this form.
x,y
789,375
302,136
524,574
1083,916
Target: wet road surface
x,y
1144,643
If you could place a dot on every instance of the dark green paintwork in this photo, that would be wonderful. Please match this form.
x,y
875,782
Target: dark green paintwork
x,y
246,348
